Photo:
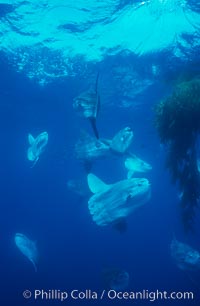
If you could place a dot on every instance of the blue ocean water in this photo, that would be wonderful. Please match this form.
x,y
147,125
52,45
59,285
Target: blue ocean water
x,y
41,71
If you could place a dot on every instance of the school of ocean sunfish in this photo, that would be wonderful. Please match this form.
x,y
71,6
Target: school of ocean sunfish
x,y
108,204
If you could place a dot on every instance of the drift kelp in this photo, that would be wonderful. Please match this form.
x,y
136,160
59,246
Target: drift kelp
x,y
178,125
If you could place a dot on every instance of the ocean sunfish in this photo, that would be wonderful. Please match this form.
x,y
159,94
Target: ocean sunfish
x,y
185,257
37,146
78,187
88,104
28,248
136,165
122,141
110,203
116,279
90,149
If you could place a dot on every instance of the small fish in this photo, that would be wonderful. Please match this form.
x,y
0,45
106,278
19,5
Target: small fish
x,y
135,164
28,248
88,105
37,146
116,201
185,257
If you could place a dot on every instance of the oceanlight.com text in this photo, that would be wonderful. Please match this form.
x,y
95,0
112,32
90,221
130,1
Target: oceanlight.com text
x,y
151,296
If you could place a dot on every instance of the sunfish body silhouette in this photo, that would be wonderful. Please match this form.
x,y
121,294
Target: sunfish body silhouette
x,y
28,248
88,104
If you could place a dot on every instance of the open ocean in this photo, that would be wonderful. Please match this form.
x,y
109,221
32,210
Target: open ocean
x,y
51,52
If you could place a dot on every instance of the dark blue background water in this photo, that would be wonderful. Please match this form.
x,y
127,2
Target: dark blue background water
x,y
73,250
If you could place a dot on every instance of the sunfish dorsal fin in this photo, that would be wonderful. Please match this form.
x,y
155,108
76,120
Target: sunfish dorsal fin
x,y
95,184
94,127
31,139
97,81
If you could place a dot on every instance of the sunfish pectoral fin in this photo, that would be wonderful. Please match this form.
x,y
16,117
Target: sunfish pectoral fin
x,y
130,174
31,139
34,265
34,163
95,184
